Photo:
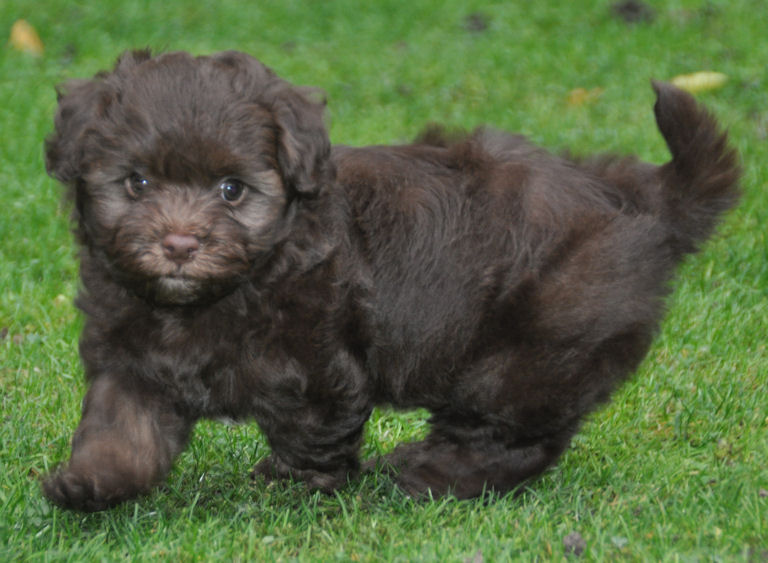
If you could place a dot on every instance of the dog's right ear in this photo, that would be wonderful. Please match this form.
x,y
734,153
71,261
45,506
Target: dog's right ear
x,y
81,102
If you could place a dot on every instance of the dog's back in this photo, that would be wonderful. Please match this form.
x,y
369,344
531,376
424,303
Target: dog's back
x,y
483,242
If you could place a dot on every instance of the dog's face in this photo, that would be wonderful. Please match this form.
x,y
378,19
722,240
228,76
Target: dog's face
x,y
183,170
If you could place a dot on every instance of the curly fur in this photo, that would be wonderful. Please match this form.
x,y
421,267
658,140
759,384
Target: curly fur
x,y
234,264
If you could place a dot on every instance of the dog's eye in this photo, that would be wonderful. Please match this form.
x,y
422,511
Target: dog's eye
x,y
135,184
232,190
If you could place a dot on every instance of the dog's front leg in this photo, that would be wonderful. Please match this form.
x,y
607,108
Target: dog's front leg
x,y
125,443
322,455
317,442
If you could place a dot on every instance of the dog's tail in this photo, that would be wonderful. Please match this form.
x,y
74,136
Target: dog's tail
x,y
701,182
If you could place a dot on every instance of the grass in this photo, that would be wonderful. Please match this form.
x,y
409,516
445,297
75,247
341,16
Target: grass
x,y
673,469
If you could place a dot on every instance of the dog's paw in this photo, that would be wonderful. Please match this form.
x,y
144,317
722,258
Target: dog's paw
x,y
268,470
399,467
75,491
273,469
415,472
84,492
420,485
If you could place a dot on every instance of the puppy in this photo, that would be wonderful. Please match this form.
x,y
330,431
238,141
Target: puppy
x,y
234,264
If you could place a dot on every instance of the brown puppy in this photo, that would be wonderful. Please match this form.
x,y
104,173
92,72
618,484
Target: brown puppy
x,y
234,264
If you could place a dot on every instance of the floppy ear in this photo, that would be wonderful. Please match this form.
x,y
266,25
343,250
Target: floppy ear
x,y
81,102
302,140
303,147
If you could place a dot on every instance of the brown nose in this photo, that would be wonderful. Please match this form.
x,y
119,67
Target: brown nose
x,y
180,248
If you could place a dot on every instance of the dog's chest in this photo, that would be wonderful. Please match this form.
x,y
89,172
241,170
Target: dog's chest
x,y
205,361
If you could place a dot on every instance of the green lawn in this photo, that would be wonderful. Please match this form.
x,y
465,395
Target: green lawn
x,y
675,468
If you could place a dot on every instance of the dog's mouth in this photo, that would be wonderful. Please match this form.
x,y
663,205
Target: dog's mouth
x,y
204,279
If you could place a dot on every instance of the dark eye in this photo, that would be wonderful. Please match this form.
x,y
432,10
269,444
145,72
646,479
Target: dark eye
x,y
232,190
135,184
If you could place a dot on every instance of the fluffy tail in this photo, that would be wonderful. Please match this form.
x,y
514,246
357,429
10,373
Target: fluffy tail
x,y
701,182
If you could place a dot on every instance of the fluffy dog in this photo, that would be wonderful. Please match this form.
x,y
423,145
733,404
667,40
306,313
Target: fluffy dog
x,y
234,264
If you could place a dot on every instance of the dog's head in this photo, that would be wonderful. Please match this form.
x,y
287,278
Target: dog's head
x,y
184,171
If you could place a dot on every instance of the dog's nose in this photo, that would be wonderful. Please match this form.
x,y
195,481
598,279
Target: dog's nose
x,y
180,248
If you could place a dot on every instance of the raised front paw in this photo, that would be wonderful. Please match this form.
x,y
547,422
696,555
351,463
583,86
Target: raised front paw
x,y
78,491
90,491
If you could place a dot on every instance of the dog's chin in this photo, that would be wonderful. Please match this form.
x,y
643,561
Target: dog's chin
x,y
178,291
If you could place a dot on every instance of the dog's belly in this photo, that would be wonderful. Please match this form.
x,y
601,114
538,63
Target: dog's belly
x,y
420,344
438,317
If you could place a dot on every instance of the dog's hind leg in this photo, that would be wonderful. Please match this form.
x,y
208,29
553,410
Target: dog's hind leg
x,y
124,445
467,462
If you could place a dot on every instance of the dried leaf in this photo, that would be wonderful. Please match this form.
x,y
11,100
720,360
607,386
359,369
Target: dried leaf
x,y
700,81
24,38
582,96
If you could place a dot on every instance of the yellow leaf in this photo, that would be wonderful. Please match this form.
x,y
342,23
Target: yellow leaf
x,y
700,81
25,38
581,96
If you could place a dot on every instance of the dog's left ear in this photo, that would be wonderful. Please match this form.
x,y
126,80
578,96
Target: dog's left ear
x,y
303,146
